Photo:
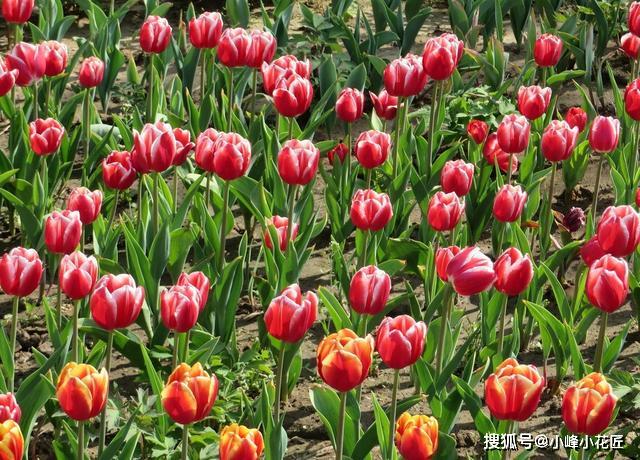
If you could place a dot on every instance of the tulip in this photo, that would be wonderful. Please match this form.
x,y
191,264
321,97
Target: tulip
x,y
591,251
30,61
205,149
263,48
189,394
7,78
370,210
470,272
9,408
533,101
198,280
494,154
231,156
633,20
477,131
118,171
416,436
298,162
155,35
154,148
400,341
184,146
116,302
445,211
340,152
509,203
630,45
179,307
17,12
619,230
608,283
292,97
62,231
234,47
513,134
91,72
547,50
558,141
205,30
281,69
237,442
604,134
457,177
632,99
349,105
513,391
372,148
588,405
369,290
344,359
45,136
86,202
280,225
11,440
442,259
77,275
82,391
573,220
290,315
56,56
20,272
385,105
513,271
576,117
405,77
442,55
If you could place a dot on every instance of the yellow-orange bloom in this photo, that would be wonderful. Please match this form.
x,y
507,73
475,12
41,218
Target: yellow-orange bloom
x,y
11,441
587,406
189,393
237,442
344,359
82,390
416,436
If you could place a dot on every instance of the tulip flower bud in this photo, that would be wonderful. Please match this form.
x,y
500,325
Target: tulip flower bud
x,y
558,141
370,210
184,146
369,290
234,47
200,281
619,230
229,156
116,301
263,48
441,56
280,225
340,152
588,405
180,307
292,97
574,219
470,272
633,20
457,177
117,170
281,69
77,275
9,408
237,442
298,162
20,272
11,440
513,134
189,394
445,211
7,78
477,131
45,136
155,35
443,257
591,251
385,105
56,56
349,105
205,30
400,341
604,134
608,283
576,117
372,148
290,315
632,99
509,203
405,77
29,61
344,359
62,231
154,148
630,45
547,50
82,391
91,72
416,436
514,272
494,154
86,202
17,12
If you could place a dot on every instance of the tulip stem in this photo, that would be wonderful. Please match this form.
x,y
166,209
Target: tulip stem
x,y
14,331
230,124
86,112
35,100
150,117
549,223
203,75
340,434
348,155
103,414
444,323
140,185
58,296
74,349
80,440
187,338
398,132
596,189
503,314
175,189
223,224
114,211
392,412
255,92
156,199
185,442
290,209
176,344
510,167
207,196
365,247
113,7
279,382
47,97
597,361
433,115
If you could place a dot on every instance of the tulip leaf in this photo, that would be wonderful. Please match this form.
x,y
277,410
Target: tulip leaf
x,y
474,405
157,386
612,351
336,311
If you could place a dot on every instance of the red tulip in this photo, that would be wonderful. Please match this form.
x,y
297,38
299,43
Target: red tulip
x,y
17,11
608,283
514,272
62,231
198,280
443,257
205,30
632,99
231,156
298,162
619,230
513,134
116,301
405,77
281,69
340,152
344,359
82,391
179,307
234,47
588,405
20,272
9,408
183,146
370,210
513,391
189,394
205,149
154,148
29,61
457,177
630,45
558,140
445,211
533,101
441,56
416,436
237,442
573,220
77,275
470,272
369,290
280,225
633,20
478,131
91,72
263,48
117,170
349,105
509,203
385,105
547,50
290,315
86,202
372,148
155,35
494,154
7,78
400,341
292,97
604,134
591,251
45,136
56,56
576,117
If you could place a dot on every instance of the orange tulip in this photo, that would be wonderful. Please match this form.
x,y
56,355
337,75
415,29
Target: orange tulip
x,y
344,359
416,436
513,391
237,442
587,406
82,390
189,393
11,441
